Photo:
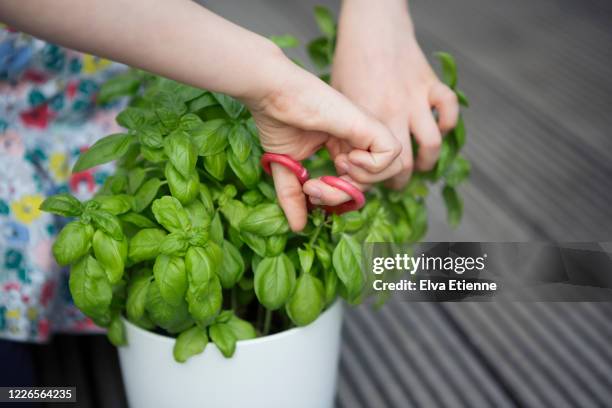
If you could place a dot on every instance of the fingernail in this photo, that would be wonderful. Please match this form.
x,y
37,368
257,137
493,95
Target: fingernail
x,y
315,200
313,191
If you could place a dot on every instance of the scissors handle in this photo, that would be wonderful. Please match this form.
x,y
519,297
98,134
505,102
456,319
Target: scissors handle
x,y
358,199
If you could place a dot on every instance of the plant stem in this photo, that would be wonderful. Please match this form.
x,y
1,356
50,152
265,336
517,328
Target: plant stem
x,y
267,322
316,234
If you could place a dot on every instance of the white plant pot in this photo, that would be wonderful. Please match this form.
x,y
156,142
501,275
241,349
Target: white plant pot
x,y
296,368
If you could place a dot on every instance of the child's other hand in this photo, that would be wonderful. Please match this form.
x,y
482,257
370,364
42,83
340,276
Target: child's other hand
x,y
379,65
298,114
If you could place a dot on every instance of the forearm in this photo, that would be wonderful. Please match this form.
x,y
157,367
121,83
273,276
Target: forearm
x,y
375,13
175,38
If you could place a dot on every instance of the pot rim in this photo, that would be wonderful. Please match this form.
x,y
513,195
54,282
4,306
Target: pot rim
x,y
243,343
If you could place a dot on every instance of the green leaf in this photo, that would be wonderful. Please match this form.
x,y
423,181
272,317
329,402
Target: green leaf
x,y
181,152
203,101
275,244
89,286
137,296
285,41
454,205
417,214
307,301
118,86
108,223
115,184
135,118
249,171
198,214
234,212
170,275
224,339
255,242
169,212
206,199
189,343
116,331
458,171
175,243
62,204
306,256
216,229
448,152
136,177
331,285
323,256
325,21
205,301
463,100
211,137
240,141
146,194
144,245
274,281
232,268
153,155
137,220
215,165
203,264
318,52
252,198
449,69
265,220
111,254
150,137
231,106
241,329
104,150
184,189
459,133
169,108
347,263
115,204
173,319
73,241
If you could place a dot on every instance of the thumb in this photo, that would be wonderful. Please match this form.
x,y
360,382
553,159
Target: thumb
x,y
290,196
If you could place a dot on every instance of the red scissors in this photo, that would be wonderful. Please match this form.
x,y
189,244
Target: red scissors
x,y
358,199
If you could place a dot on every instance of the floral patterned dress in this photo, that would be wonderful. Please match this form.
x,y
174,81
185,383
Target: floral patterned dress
x,y
47,116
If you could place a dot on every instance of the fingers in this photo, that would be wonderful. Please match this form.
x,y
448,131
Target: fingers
x,y
445,101
321,193
290,196
399,127
426,133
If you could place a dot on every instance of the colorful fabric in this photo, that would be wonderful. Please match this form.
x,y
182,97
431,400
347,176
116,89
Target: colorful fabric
x,y
47,116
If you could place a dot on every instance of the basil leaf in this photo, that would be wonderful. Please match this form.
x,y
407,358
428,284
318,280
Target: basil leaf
x,y
211,137
448,151
463,100
255,242
216,229
137,297
318,51
172,318
108,223
265,220
234,212
267,190
62,204
151,138
181,152
184,189
215,165
73,241
240,142
169,212
145,244
285,41
459,133
189,343
458,171
137,220
115,204
204,101
307,300
203,264
231,106
224,339
171,278
205,301
190,122
331,285
104,150
91,291
323,256
135,118
241,329
417,214
252,198
325,21
249,171
169,109
232,268
111,254
153,155
198,214
275,244
274,281
135,179
115,184
454,205
306,256
206,199
116,331
449,69
347,263
118,86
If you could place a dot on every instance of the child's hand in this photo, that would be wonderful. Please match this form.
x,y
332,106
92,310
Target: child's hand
x,y
299,114
379,66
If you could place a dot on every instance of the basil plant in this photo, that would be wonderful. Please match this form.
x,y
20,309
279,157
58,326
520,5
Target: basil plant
x,y
187,239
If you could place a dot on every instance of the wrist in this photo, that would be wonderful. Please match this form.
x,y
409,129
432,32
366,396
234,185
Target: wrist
x,y
381,14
